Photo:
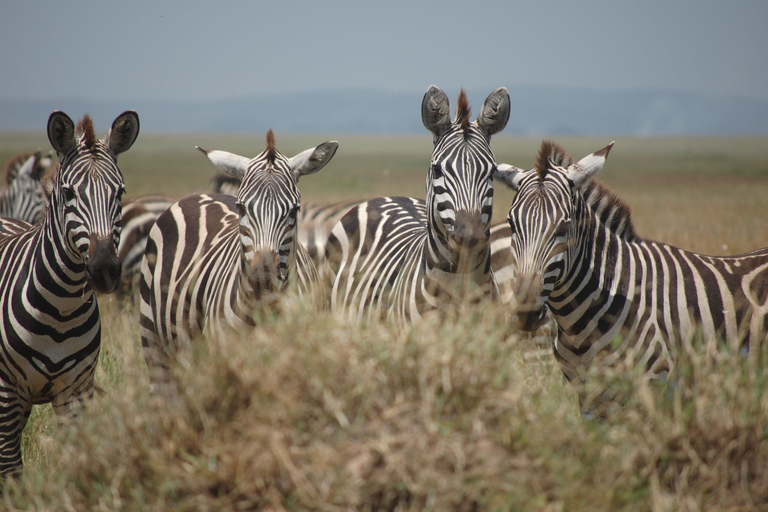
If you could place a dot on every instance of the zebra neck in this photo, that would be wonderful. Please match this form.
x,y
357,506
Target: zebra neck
x,y
53,266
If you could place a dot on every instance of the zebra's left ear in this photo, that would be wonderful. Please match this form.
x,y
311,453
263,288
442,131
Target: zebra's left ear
x,y
228,163
508,175
312,160
583,170
122,135
494,115
61,133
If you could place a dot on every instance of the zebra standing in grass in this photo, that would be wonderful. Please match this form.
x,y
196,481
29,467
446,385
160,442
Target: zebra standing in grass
x,y
619,299
211,260
23,196
49,319
399,256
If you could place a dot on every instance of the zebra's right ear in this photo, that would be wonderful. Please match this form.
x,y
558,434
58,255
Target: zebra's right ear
x,y
508,175
494,115
61,133
122,135
435,111
583,170
229,163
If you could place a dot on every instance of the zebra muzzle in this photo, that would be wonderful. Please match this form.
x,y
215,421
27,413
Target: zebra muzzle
x,y
529,308
266,274
103,270
468,231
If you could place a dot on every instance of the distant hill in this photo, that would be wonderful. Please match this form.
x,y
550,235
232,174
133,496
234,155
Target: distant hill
x,y
535,111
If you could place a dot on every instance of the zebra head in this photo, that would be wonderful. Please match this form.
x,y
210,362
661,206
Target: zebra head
x,y
546,219
268,202
23,198
85,192
462,166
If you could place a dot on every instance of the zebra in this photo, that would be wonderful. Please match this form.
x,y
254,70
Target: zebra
x,y
50,330
213,259
397,257
23,196
619,301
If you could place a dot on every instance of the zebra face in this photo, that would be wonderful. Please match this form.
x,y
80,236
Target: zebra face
x,y
541,225
460,179
86,194
546,219
267,203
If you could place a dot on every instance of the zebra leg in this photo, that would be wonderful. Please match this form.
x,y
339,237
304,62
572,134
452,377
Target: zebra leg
x,y
14,414
68,408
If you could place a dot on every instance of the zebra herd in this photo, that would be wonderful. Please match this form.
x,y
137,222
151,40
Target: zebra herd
x,y
208,263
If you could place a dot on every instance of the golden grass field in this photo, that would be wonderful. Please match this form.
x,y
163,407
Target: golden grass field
x,y
311,413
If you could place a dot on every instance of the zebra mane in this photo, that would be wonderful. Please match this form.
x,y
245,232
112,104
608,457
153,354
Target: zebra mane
x,y
462,110
551,153
85,130
271,150
611,210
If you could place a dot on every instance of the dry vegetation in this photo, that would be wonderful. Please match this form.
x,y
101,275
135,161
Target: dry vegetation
x,y
458,413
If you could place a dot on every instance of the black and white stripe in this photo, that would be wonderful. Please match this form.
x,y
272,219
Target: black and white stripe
x,y
212,259
22,198
49,319
619,299
398,256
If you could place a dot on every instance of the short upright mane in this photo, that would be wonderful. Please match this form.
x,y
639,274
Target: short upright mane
x,y
85,130
612,211
463,110
13,166
271,150
551,153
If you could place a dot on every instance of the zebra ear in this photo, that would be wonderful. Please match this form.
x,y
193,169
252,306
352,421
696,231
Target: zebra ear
x,y
583,170
312,160
229,163
508,175
122,135
494,115
61,132
435,111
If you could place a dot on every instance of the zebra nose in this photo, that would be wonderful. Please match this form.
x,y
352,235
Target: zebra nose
x,y
529,308
103,270
265,274
468,230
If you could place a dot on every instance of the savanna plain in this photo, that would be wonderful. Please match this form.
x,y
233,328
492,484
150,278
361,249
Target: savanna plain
x,y
309,412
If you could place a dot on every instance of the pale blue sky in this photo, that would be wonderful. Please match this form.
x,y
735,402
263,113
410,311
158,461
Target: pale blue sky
x,y
186,50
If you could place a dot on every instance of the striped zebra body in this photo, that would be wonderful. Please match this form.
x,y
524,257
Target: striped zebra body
x,y
620,300
398,257
213,259
49,318
139,215
22,198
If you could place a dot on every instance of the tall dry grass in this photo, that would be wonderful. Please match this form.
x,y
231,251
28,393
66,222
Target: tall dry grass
x,y
457,413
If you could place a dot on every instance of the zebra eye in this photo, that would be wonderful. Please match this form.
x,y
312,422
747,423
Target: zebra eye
x,y
69,193
437,171
563,229
241,209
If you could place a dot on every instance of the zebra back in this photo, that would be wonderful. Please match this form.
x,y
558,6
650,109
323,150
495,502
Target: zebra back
x,y
400,256
213,259
619,300
50,330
